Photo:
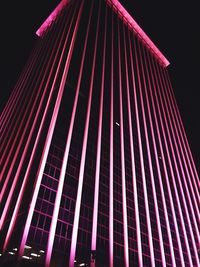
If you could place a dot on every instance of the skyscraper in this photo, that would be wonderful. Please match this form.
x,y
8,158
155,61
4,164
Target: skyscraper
x,y
96,167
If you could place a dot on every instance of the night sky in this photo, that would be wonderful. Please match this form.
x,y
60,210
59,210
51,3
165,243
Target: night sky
x,y
172,25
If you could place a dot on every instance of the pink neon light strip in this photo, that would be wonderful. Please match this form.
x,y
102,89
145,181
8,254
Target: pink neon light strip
x,y
64,164
135,193
50,132
10,104
111,155
51,18
23,187
22,131
82,164
14,116
15,181
157,160
17,93
180,185
98,159
187,170
177,171
13,132
125,223
123,13
149,159
142,162
171,172
184,141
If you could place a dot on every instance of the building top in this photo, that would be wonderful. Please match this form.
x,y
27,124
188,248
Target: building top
x,y
123,13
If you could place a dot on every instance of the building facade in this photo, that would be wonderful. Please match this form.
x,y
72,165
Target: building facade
x,y
96,166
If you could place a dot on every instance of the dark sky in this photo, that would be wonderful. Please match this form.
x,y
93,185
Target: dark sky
x,y
172,25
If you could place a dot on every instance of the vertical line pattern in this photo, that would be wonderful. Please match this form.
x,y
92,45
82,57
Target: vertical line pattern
x,y
167,108
124,204
156,157
111,152
14,127
184,137
176,167
83,156
15,98
150,161
26,176
97,173
142,160
181,132
65,159
134,178
50,131
171,170
21,134
24,154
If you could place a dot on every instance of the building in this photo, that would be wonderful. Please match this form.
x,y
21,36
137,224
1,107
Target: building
x,y
96,167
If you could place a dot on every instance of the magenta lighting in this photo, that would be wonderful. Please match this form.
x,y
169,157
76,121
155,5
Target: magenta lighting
x,y
96,167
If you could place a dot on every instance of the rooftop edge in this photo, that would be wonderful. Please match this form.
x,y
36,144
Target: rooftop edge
x,y
123,13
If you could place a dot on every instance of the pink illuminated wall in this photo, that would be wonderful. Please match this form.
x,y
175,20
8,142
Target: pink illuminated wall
x,y
96,166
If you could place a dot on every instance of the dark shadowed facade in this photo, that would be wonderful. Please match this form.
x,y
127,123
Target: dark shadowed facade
x,y
96,169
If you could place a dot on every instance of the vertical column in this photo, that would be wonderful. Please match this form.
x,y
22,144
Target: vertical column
x,y
179,160
170,166
184,138
97,172
15,98
135,192
83,156
52,231
124,204
51,127
111,152
150,156
54,54
13,128
180,132
156,154
142,159
22,130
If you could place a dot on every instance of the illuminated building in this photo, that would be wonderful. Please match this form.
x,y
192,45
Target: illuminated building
x,y
96,167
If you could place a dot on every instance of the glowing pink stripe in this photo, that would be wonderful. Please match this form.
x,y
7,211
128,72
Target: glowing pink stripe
x,y
150,161
97,174
125,223
14,117
9,105
177,170
8,200
16,97
30,108
51,18
64,165
184,141
111,157
82,163
135,193
50,131
187,170
171,171
180,184
23,186
142,161
123,13
16,125
157,160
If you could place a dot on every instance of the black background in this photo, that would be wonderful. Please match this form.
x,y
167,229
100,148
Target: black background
x,y
173,25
